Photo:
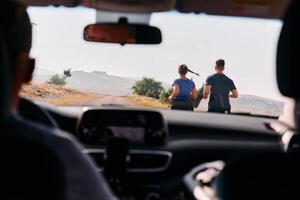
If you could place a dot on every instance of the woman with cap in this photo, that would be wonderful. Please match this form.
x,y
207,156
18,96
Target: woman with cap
x,y
184,91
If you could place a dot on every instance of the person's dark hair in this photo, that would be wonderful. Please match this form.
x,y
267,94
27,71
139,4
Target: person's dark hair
x,y
183,69
220,63
15,28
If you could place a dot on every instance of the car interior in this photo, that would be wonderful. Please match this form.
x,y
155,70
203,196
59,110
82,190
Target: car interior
x,y
162,154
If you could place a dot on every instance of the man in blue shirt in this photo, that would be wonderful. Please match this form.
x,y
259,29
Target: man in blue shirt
x,y
184,90
220,88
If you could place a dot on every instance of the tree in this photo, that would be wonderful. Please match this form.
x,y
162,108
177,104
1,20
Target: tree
x,y
148,87
67,73
60,80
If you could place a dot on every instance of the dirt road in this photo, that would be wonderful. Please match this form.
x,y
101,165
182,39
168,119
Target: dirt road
x,y
110,99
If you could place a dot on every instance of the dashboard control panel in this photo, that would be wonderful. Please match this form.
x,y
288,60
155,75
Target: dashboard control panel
x,y
97,126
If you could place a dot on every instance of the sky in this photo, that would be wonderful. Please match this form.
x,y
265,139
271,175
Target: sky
x,y
248,46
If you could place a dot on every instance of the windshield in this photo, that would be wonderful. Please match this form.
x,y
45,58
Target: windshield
x,y
73,72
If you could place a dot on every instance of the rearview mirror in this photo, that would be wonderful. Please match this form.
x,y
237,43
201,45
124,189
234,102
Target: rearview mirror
x,y
122,33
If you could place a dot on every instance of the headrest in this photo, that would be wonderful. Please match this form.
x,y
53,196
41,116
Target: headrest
x,y
288,53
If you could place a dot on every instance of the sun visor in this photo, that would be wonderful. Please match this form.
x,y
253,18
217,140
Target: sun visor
x,y
244,8
135,6
67,3
288,54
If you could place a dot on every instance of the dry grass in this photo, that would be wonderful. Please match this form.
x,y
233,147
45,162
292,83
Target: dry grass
x,y
57,95
63,96
78,100
146,102
44,90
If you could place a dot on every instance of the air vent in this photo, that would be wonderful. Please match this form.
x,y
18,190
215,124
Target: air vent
x,y
149,161
140,160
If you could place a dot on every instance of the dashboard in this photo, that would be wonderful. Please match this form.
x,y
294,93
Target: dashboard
x,y
165,145
201,136
169,142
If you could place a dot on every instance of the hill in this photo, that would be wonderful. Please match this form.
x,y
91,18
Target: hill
x,y
257,105
252,104
96,82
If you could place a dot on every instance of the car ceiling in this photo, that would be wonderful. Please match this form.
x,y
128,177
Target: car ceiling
x,y
273,9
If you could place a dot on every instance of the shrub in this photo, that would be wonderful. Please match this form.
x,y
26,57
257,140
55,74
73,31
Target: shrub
x,y
148,87
57,80
164,95
60,80
197,101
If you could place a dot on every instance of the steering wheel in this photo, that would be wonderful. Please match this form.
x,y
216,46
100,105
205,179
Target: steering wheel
x,y
31,111
200,180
